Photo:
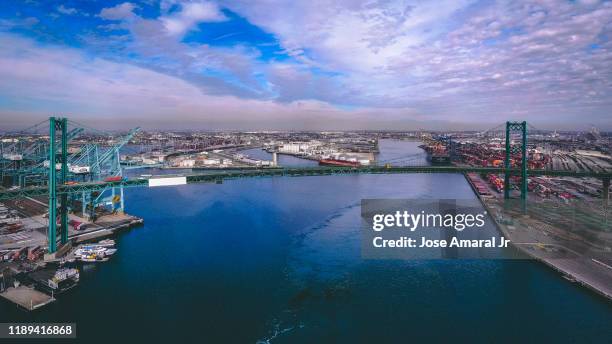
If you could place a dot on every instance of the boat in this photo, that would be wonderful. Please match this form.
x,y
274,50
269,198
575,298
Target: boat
x,y
86,250
437,154
106,243
93,258
63,279
335,162
95,252
439,159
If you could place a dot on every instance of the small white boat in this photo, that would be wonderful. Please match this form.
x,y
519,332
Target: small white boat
x,y
94,252
106,243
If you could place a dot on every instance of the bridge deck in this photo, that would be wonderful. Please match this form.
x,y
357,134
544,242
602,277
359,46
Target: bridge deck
x,y
219,176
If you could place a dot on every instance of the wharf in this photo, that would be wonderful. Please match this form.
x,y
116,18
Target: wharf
x,y
35,233
28,298
594,274
107,226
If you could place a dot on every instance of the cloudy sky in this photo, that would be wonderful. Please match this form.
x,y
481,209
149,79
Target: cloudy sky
x,y
316,64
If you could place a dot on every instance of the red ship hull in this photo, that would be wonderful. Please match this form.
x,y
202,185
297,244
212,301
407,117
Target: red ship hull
x,y
333,162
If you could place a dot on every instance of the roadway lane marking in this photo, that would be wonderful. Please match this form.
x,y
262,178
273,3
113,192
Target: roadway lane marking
x,y
601,263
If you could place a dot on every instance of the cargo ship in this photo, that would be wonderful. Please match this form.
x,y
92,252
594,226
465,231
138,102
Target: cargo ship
x,y
438,159
341,163
437,154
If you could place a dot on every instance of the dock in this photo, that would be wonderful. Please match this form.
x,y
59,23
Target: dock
x,y
106,226
588,272
28,298
34,234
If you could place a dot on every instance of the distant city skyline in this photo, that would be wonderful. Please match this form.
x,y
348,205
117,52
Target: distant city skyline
x,y
307,65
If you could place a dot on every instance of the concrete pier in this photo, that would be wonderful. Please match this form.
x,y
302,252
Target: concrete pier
x,y
27,298
589,272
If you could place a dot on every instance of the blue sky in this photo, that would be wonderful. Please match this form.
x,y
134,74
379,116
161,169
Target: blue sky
x,y
307,64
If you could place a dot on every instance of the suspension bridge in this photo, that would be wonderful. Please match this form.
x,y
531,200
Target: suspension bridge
x,y
85,172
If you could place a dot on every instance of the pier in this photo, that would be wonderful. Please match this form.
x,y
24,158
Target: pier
x,y
537,244
27,298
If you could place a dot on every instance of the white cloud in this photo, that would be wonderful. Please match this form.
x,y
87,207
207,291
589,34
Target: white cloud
x,y
156,43
119,12
67,10
46,80
26,23
452,60
191,14
357,36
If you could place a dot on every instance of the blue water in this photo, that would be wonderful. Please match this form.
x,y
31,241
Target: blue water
x,y
283,159
278,260
401,153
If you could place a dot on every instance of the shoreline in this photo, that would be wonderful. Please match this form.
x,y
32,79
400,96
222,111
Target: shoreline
x,y
567,273
28,297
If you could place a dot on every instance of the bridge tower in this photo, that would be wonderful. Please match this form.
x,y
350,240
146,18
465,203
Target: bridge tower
x,y
275,159
522,128
54,125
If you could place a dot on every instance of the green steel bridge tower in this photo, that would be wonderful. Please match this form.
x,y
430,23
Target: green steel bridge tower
x,y
55,124
510,149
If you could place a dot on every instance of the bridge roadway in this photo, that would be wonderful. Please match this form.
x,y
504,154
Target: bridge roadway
x,y
220,175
